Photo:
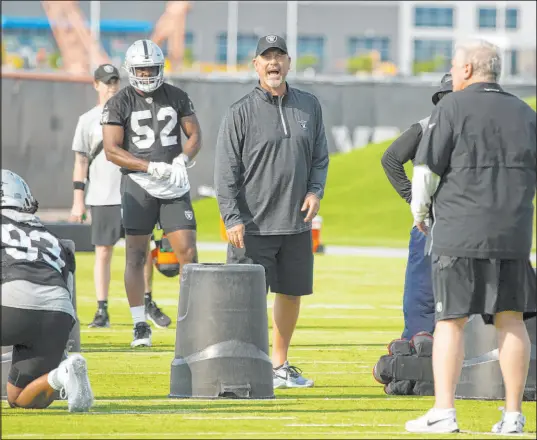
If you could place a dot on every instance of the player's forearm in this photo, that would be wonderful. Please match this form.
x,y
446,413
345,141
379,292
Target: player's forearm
x,y
80,173
192,146
124,159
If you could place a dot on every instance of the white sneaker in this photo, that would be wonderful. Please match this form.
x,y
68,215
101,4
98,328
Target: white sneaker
x,y
435,421
288,376
77,385
511,423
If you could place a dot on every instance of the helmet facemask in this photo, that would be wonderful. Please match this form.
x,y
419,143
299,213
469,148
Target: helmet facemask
x,y
147,84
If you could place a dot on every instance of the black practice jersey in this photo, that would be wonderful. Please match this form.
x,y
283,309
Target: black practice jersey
x,y
31,253
151,122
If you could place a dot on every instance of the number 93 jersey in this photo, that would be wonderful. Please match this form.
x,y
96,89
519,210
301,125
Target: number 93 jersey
x,y
31,253
151,123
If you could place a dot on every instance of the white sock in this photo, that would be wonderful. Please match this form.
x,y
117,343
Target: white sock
x,y
444,412
57,377
513,415
138,314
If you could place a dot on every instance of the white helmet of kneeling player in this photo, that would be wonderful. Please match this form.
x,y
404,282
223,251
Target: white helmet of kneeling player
x,y
144,61
16,193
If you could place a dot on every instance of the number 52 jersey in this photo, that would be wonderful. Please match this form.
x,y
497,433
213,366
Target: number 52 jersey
x,y
151,123
31,253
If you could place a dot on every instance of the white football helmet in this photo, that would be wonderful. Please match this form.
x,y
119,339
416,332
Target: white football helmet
x,y
145,53
16,193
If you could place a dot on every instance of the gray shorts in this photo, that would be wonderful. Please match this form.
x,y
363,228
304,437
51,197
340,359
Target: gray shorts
x,y
469,286
106,226
287,259
141,211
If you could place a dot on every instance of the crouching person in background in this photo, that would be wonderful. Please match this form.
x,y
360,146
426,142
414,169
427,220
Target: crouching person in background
x,y
418,299
37,311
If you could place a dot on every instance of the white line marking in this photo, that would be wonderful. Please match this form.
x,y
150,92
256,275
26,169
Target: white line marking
x,y
302,331
280,397
163,373
255,434
328,425
340,306
210,417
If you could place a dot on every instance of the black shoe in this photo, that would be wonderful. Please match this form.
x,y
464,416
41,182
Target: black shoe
x,y
142,335
101,319
156,316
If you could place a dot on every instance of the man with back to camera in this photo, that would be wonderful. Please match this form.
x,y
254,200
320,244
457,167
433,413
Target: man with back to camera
x,y
104,197
37,309
418,300
142,134
476,163
270,173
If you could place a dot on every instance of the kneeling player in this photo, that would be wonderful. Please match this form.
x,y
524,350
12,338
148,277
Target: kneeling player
x,y
37,311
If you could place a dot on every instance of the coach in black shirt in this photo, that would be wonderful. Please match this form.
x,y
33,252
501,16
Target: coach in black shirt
x,y
418,301
270,173
477,161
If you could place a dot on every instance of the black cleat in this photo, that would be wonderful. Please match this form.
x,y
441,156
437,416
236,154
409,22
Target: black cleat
x,y
156,316
142,335
101,319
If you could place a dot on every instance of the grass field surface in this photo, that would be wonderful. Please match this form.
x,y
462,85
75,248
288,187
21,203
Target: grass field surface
x,y
344,328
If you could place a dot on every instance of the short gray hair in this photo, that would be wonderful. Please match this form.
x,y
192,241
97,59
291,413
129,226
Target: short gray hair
x,y
483,56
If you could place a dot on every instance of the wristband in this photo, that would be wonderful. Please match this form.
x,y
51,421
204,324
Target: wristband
x,y
79,185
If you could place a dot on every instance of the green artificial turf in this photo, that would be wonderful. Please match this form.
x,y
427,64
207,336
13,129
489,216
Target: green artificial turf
x,y
344,328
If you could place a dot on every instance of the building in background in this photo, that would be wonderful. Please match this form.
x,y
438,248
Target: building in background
x,y
333,37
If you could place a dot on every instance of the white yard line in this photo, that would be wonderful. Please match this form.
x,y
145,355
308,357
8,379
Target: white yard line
x,y
227,434
145,373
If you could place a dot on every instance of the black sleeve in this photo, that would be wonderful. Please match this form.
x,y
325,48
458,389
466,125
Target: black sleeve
x,y
186,108
319,165
114,112
398,153
228,167
437,144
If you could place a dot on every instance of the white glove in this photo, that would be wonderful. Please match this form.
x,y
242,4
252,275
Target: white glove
x,y
159,170
179,176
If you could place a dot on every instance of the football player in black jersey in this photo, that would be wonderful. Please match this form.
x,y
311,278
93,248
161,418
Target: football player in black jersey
x,y
142,134
37,310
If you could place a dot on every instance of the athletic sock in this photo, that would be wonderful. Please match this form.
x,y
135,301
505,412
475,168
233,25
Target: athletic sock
x,y
444,412
138,314
103,304
57,377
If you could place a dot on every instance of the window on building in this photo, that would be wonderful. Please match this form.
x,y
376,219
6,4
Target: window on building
x,y
432,55
246,44
433,17
361,45
309,52
487,18
511,18
513,58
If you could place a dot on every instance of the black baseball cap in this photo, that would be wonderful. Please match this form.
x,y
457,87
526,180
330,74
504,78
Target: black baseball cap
x,y
106,72
446,86
270,42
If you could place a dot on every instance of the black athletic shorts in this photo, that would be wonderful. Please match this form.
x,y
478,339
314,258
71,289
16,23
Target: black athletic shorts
x,y
469,286
141,211
287,259
39,339
106,226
